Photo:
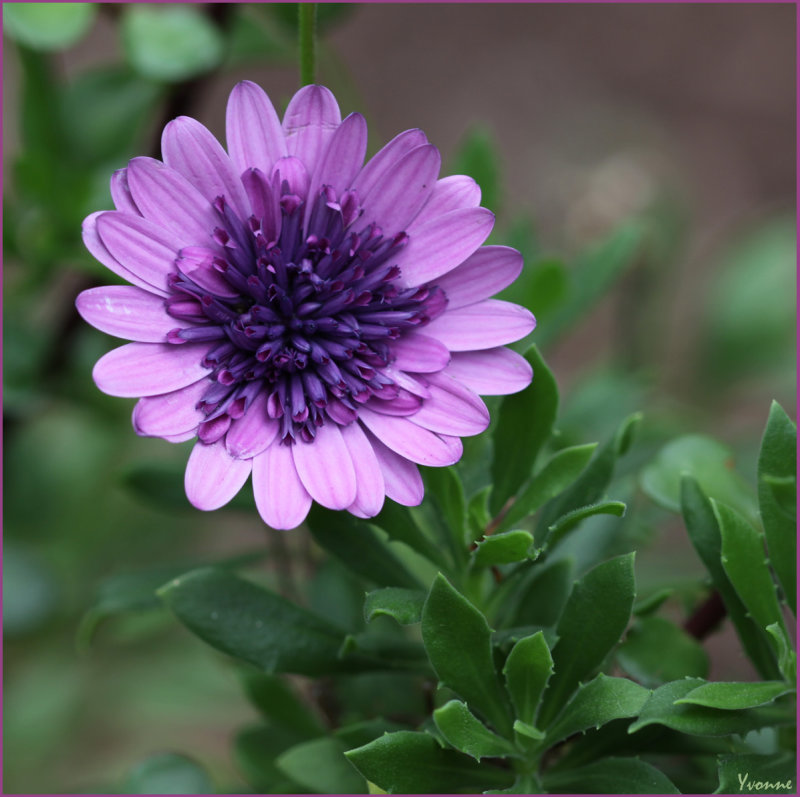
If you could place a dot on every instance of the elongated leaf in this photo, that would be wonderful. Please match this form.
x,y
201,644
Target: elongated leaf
x,y
403,605
787,657
596,703
571,520
745,562
320,766
527,670
504,548
662,709
542,599
732,695
703,528
594,619
457,639
398,523
468,734
168,773
558,473
749,773
253,624
611,776
525,421
444,486
277,701
358,547
414,763
656,651
776,461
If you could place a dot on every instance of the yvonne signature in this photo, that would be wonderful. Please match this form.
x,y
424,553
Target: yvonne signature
x,y
745,784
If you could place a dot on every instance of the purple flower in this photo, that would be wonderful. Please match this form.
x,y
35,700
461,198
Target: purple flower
x,y
321,323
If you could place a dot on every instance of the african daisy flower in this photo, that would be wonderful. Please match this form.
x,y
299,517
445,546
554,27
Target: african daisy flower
x,y
317,322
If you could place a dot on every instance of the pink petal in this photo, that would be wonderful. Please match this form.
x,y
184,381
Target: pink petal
x,y
252,129
481,275
171,201
403,189
482,325
121,193
493,372
439,245
253,432
311,118
343,156
401,478
456,192
419,353
370,490
179,438
452,409
378,165
98,250
190,149
196,262
281,499
294,172
213,477
326,468
139,245
403,404
149,369
172,413
411,441
127,312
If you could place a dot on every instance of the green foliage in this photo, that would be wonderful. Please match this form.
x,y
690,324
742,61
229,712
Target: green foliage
x,y
168,773
746,773
48,26
477,157
404,605
504,548
527,670
462,729
611,776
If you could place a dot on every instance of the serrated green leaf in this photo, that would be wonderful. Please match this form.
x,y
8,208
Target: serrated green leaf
x,y
48,26
542,598
462,729
708,461
399,524
320,766
663,709
525,421
787,658
531,732
354,543
611,776
403,605
571,520
476,157
170,43
748,773
168,773
414,763
730,695
593,620
745,562
457,639
704,533
558,473
596,703
527,670
656,651
504,548
777,461
278,702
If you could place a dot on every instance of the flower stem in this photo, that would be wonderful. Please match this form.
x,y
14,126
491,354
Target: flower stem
x,y
308,41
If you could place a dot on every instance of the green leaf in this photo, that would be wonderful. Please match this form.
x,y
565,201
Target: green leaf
x,y
253,624
504,548
320,766
777,462
168,773
413,763
651,604
354,543
477,157
525,421
594,704
745,562
663,709
571,520
590,486
611,776
542,287
542,598
527,670
278,702
457,639
558,473
170,43
701,523
48,26
656,651
708,461
444,486
403,605
529,731
255,749
468,734
748,773
400,525
733,695
787,658
594,619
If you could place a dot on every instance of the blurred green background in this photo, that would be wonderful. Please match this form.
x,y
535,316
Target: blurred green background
x,y
579,121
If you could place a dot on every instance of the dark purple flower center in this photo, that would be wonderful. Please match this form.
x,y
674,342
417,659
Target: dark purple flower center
x,y
302,307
